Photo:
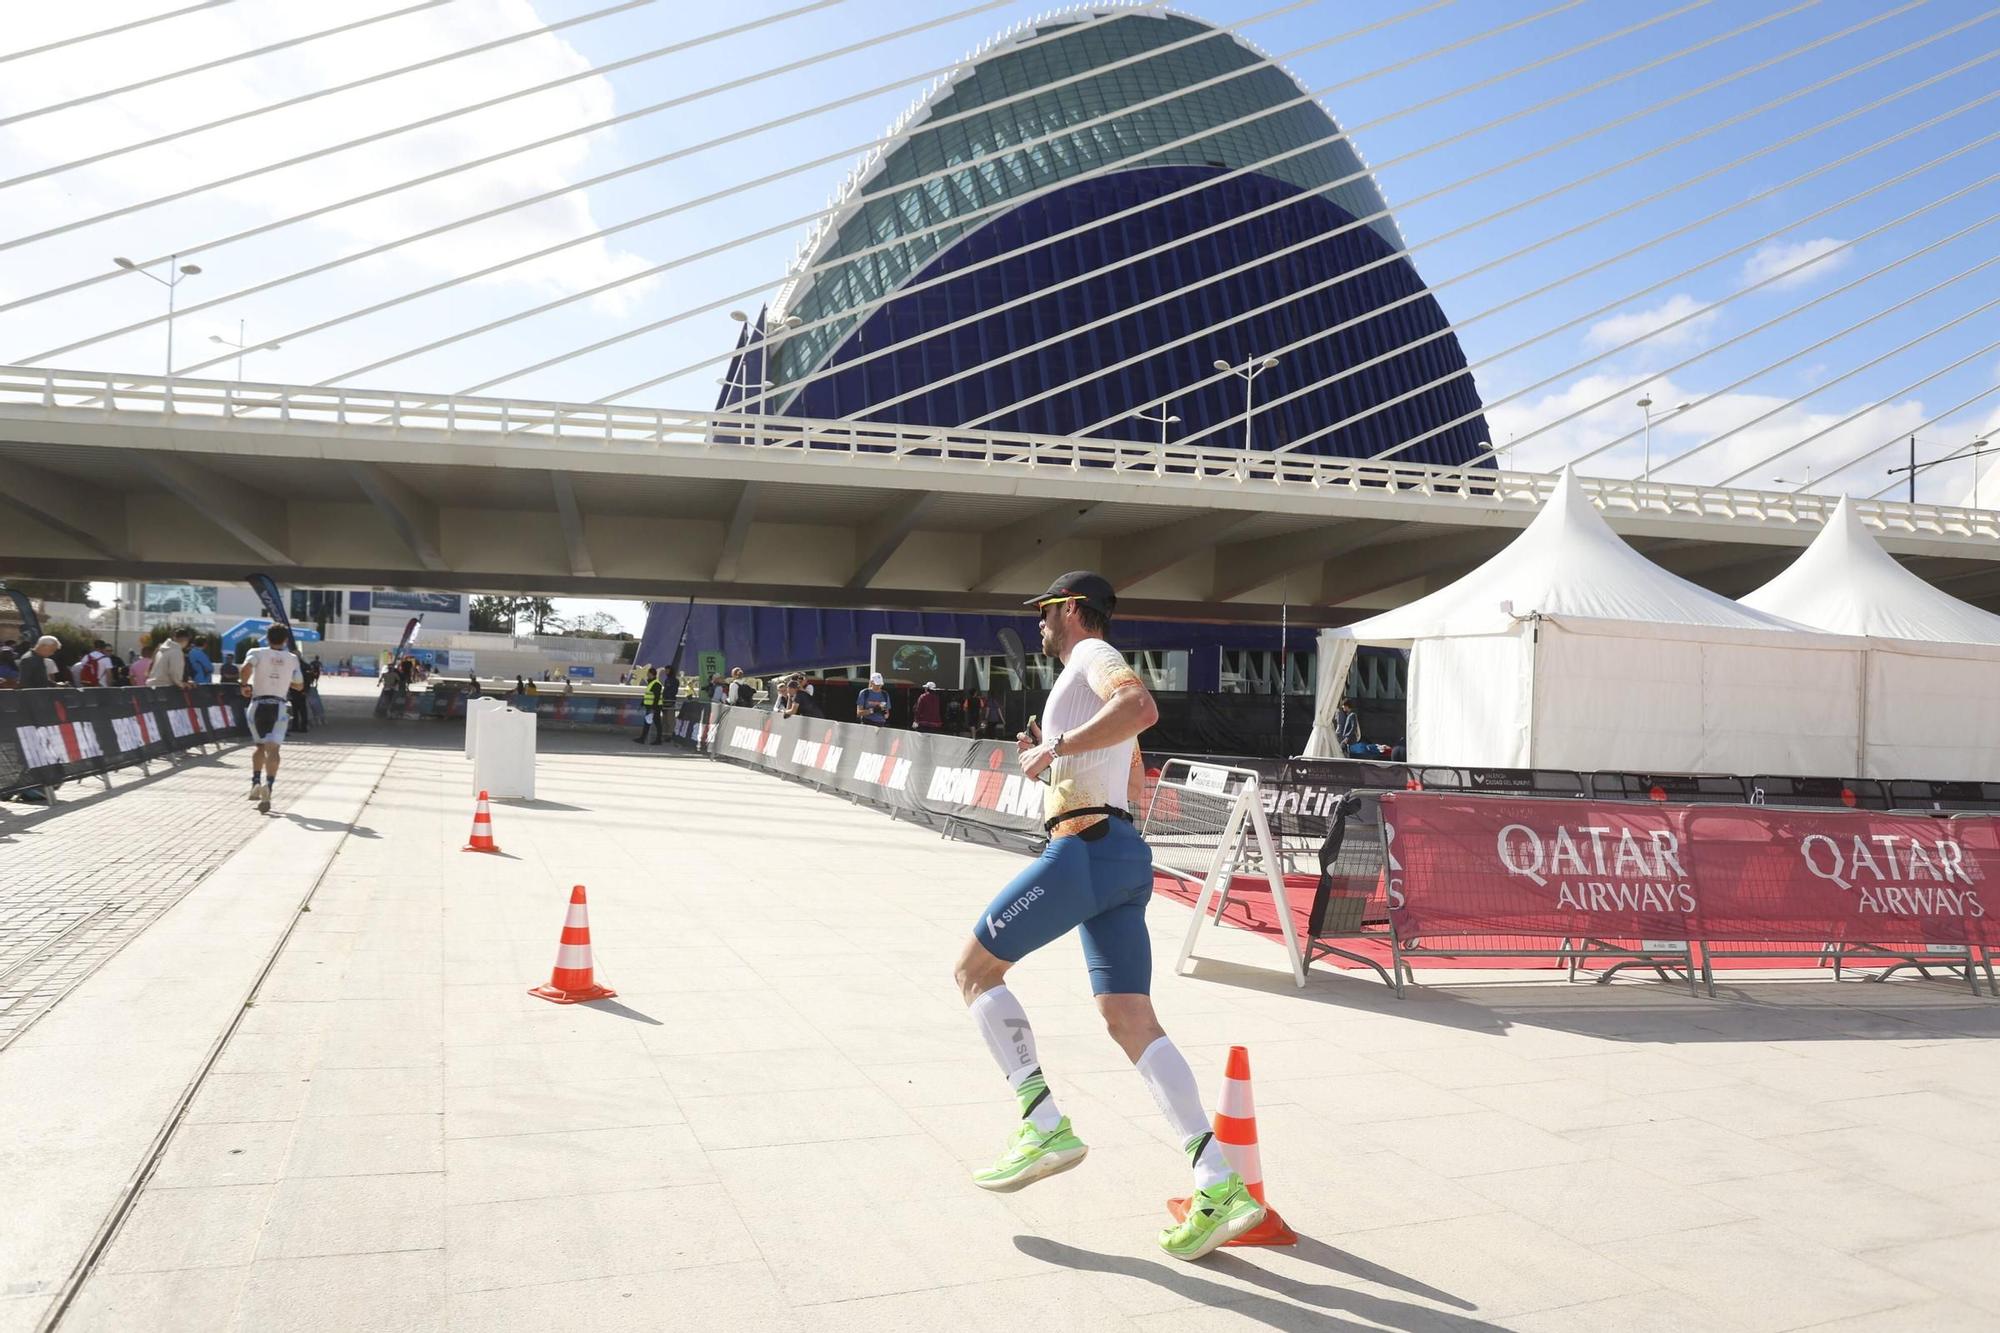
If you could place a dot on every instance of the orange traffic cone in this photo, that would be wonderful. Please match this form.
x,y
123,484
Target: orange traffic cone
x,y
574,978
1236,1131
482,829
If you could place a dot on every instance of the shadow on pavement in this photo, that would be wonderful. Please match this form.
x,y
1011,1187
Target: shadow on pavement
x,y
1811,1007
529,803
622,1011
1300,1310
312,825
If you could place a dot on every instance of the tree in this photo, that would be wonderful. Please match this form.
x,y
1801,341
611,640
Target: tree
x,y
597,625
503,615
540,613
493,615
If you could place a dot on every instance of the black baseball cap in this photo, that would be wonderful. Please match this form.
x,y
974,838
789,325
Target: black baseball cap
x,y
1081,585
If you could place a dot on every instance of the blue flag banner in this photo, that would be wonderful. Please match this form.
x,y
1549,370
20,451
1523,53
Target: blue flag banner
x,y
266,589
31,624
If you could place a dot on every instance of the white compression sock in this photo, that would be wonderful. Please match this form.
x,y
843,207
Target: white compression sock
x,y
1004,1024
1166,1072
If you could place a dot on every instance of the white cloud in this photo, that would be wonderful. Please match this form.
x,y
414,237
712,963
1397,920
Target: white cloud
x,y
1779,256
1652,324
1678,433
265,80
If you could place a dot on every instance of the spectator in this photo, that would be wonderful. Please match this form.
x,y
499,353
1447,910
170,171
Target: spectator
x,y
653,706
872,704
1347,730
95,668
718,689
295,700
200,666
569,686
142,666
806,702
10,670
743,691
39,672
170,659
472,690
929,712
315,707
993,717
230,675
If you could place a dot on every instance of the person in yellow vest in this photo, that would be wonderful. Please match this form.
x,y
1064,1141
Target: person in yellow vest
x,y
654,703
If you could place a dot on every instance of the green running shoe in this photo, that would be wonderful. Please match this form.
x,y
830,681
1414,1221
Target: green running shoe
x,y
1030,1156
1216,1216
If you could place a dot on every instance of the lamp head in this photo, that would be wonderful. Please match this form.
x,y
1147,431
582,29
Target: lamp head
x,y
739,317
1268,362
1224,365
189,270
1173,421
123,262
1646,401
218,338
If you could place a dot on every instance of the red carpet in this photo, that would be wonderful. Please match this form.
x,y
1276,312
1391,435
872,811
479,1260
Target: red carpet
x,y
1250,908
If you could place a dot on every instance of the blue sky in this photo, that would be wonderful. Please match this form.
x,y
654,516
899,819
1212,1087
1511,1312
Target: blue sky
x,y
1428,189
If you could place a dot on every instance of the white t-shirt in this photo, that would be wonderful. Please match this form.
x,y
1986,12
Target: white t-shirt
x,y
271,672
1091,676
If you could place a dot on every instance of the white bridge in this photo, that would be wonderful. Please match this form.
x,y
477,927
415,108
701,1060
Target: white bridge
x,y
122,476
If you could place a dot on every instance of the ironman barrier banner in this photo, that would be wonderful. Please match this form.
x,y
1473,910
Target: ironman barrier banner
x,y
50,735
942,782
1469,865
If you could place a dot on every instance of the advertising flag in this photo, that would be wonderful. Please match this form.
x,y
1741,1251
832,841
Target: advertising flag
x,y
266,589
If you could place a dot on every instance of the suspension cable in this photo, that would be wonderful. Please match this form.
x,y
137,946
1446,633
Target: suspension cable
x,y
1962,404
1454,327
1122,164
543,197
1291,297
1017,201
112,31
929,125
979,6
494,45
1846,375
1494,450
219,62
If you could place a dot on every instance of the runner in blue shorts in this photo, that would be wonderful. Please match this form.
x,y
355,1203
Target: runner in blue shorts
x,y
1095,877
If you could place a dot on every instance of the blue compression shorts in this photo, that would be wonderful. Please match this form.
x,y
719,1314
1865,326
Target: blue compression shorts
x,y
1097,885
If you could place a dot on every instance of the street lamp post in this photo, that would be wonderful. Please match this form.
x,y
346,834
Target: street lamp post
x,y
175,272
1975,450
1162,421
1645,405
770,335
241,345
1248,372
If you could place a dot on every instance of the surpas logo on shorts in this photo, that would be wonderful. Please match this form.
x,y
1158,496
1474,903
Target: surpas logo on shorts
x,y
1012,910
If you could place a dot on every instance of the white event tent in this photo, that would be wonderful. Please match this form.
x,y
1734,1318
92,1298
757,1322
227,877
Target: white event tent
x,y
1932,704
1569,649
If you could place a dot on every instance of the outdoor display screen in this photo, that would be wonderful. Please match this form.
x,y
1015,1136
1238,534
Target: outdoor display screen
x,y
917,660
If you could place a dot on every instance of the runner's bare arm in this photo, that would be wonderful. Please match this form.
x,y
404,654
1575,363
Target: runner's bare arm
x,y
1128,709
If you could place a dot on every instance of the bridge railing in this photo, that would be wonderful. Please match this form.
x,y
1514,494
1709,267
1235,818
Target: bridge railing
x,y
142,400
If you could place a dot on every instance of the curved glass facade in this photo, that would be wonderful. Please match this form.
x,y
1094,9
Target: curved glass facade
x,y
882,281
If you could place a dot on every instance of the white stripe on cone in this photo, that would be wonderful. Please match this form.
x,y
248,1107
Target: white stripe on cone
x,y
576,958
579,916
1245,1160
1236,1100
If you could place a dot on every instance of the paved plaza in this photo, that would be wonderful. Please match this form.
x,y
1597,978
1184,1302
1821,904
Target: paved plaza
x,y
314,1055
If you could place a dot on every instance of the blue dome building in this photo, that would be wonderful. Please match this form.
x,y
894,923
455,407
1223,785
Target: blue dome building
x,y
1116,173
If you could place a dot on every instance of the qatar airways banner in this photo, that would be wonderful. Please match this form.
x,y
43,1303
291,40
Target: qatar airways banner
x,y
933,780
1485,866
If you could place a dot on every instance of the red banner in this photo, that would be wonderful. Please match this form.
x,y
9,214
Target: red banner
x,y
1492,866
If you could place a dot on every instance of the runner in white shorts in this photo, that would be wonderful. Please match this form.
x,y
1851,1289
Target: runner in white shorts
x,y
269,673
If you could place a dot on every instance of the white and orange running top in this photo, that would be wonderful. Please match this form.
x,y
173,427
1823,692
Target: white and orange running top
x,y
1094,672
